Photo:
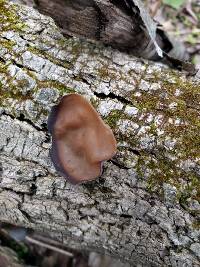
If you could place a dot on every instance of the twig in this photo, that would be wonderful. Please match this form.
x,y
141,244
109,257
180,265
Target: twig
x,y
41,244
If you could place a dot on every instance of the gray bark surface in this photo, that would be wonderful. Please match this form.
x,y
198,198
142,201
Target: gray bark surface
x,y
145,207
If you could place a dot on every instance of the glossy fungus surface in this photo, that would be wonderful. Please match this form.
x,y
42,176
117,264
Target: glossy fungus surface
x,y
81,141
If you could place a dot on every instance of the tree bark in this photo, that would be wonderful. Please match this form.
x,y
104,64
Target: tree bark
x,y
114,23
145,207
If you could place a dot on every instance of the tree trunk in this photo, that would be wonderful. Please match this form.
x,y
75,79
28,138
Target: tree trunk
x,y
145,207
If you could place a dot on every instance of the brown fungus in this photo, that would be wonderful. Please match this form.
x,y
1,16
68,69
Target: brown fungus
x,y
81,141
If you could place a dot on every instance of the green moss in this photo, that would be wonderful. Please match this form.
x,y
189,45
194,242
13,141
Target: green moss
x,y
180,122
56,85
9,20
65,89
106,72
12,88
103,72
113,118
8,44
15,94
46,55
15,88
94,102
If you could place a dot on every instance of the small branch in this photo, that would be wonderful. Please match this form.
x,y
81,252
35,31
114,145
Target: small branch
x,y
41,244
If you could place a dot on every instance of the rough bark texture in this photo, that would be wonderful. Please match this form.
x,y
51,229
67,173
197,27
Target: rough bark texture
x,y
125,25
145,207
114,23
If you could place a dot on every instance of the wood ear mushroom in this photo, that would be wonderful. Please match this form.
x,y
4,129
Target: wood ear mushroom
x,y
81,141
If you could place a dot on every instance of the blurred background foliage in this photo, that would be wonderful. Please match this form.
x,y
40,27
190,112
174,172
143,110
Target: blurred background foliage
x,y
181,20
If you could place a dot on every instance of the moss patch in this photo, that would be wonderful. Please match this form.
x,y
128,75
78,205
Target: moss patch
x,y
174,134
9,20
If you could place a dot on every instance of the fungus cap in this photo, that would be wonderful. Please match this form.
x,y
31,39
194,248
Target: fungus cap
x,y
81,141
